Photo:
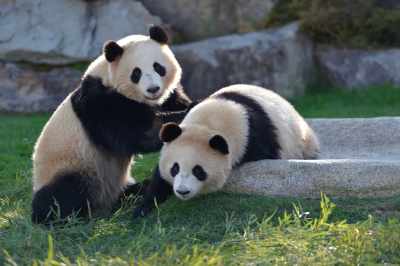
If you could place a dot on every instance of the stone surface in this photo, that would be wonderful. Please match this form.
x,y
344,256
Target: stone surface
x,y
279,59
62,32
23,90
360,158
196,20
357,69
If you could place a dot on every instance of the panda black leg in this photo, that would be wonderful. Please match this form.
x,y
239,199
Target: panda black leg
x,y
135,190
68,193
159,190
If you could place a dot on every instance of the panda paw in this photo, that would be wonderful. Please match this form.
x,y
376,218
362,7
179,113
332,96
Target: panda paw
x,y
141,211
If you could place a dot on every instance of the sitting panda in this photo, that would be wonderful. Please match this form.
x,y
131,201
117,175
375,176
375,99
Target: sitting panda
x,y
235,125
83,156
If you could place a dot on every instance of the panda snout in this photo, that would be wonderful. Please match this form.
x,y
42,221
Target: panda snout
x,y
183,192
153,89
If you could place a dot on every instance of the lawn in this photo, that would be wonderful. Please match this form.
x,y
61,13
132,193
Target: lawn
x,y
218,228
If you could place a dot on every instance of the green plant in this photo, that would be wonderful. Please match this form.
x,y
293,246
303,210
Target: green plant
x,y
335,20
355,24
383,27
284,11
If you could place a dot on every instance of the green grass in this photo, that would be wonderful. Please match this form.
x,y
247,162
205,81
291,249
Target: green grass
x,y
325,102
218,228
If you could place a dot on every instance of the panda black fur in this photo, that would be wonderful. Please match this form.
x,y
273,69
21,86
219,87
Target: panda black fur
x,y
85,150
235,125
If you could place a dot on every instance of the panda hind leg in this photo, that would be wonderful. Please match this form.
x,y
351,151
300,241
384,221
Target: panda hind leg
x,y
67,193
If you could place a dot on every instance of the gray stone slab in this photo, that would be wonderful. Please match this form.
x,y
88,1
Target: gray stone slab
x,y
360,158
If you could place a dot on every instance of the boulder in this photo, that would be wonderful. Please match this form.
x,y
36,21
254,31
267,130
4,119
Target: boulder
x,y
360,158
357,69
279,59
63,32
196,20
23,90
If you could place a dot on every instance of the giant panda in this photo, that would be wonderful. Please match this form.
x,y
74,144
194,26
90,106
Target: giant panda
x,y
82,158
235,125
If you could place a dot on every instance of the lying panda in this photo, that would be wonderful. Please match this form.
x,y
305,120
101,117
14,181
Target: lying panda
x,y
235,125
83,156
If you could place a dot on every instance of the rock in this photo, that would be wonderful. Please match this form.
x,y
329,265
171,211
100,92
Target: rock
x,y
358,138
196,20
63,32
23,90
357,69
360,159
278,59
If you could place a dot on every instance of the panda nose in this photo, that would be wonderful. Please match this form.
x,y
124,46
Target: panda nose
x,y
183,193
154,89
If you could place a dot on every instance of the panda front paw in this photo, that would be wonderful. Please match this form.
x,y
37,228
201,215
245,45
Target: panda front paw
x,y
141,211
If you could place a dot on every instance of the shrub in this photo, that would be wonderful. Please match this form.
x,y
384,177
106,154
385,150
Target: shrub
x,y
384,27
356,24
284,11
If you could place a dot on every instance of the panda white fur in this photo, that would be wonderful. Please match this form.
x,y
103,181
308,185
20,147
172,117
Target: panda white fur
x,y
85,150
235,125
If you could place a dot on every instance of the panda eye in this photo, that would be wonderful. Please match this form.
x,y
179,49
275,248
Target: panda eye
x,y
159,69
136,74
174,169
199,173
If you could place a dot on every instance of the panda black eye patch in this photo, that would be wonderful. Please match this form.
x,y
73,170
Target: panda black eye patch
x,y
199,173
159,69
136,74
174,169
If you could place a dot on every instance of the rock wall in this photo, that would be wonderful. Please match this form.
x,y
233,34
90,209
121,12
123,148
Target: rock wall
x,y
278,59
23,90
357,69
197,20
63,32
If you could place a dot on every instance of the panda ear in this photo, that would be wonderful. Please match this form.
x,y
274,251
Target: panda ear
x,y
170,131
159,34
111,50
219,143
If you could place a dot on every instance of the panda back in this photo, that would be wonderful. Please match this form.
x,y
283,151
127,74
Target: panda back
x,y
262,140
283,130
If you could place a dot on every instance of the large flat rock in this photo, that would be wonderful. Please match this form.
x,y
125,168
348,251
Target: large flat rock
x,y
360,158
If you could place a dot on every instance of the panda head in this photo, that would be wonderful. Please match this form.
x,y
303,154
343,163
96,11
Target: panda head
x,y
194,159
142,68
